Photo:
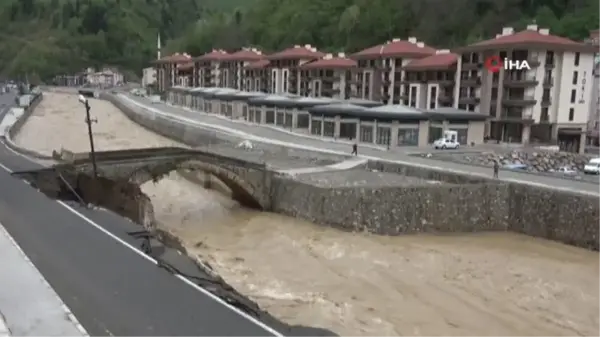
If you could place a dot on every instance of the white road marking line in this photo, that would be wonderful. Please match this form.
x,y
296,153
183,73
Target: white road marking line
x,y
150,259
4,330
69,314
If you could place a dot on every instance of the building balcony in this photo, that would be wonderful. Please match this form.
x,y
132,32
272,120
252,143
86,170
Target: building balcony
x,y
509,115
471,81
445,82
471,65
520,81
548,82
519,100
443,99
549,64
546,101
468,100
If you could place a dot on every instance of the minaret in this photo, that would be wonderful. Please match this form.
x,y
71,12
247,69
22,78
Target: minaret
x,y
158,47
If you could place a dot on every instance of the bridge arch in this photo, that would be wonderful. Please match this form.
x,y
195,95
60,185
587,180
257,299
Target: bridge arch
x,y
242,191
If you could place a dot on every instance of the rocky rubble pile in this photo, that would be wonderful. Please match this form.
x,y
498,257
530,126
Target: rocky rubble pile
x,y
536,161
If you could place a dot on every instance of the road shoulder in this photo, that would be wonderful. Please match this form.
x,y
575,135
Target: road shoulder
x,y
28,304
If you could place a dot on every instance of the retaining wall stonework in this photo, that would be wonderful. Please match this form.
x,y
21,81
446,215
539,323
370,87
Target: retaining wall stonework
x,y
570,218
16,127
396,210
464,203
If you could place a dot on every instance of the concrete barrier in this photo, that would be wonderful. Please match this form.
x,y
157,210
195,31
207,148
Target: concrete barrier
x,y
15,128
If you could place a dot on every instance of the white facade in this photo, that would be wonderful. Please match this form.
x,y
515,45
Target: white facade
x,y
148,76
568,77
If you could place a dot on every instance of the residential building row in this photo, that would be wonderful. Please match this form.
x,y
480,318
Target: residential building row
x,y
549,101
104,78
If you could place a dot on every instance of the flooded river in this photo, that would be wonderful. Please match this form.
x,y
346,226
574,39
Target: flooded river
x,y
355,284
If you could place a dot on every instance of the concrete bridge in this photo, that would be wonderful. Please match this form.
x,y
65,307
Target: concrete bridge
x,y
250,182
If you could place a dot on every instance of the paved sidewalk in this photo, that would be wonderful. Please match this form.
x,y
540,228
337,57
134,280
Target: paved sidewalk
x,y
267,134
28,305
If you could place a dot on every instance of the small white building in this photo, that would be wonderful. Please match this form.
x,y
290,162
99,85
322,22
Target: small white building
x,y
107,77
148,76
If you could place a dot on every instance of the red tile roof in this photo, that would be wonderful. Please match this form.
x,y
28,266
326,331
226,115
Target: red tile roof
x,y
306,52
396,48
528,38
214,55
246,55
258,64
434,62
174,58
329,62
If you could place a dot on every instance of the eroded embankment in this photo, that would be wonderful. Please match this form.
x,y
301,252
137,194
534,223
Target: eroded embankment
x,y
358,284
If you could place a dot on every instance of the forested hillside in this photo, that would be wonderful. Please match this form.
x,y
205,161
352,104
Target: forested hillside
x,y
350,25
45,37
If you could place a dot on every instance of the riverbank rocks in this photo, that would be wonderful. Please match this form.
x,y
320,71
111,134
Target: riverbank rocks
x,y
536,161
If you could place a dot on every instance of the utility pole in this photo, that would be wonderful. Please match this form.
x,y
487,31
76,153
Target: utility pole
x,y
89,122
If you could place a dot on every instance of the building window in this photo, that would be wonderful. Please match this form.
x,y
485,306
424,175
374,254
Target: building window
x,y
302,121
544,117
571,114
384,134
285,80
317,92
573,94
433,98
408,137
576,59
329,129
270,116
315,127
279,117
575,77
366,133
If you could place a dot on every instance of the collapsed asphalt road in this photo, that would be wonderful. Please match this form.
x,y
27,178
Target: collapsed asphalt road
x,y
112,287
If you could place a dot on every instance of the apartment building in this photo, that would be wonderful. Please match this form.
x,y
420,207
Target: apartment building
x,y
208,70
185,74
257,76
166,70
330,76
547,103
232,68
429,81
285,70
380,76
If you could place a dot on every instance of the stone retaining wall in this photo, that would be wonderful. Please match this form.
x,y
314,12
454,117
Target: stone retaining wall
x,y
16,127
396,210
570,218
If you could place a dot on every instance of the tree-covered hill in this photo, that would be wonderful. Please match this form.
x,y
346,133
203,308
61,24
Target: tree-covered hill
x,y
41,38
349,25
44,37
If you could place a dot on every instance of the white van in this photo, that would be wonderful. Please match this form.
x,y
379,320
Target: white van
x,y
593,167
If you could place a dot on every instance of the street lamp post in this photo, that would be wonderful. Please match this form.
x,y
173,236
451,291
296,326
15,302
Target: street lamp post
x,y
89,122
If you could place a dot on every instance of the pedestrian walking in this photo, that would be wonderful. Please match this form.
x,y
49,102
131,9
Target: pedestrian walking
x,y
355,149
496,168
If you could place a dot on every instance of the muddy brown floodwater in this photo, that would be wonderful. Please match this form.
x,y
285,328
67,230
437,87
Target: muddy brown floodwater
x,y
354,284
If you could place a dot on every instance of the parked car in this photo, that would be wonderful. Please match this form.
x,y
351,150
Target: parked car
x,y
566,170
593,167
444,143
522,167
